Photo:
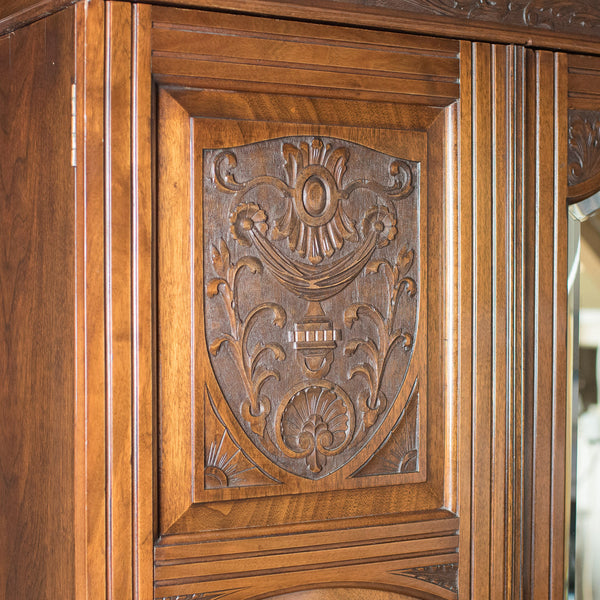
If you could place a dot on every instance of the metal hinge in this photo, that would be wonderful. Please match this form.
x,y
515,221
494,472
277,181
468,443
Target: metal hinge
x,y
73,126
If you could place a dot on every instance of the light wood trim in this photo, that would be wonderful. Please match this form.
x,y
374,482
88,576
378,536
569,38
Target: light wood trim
x,y
90,379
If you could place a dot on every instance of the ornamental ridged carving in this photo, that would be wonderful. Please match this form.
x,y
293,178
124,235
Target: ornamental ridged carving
x,y
584,146
311,283
559,15
399,452
445,576
202,596
225,463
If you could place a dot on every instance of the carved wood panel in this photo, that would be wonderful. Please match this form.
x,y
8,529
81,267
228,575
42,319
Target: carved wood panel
x,y
311,264
303,412
570,16
296,340
583,169
584,146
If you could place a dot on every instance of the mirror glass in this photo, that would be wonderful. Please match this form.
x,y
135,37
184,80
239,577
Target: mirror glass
x,y
584,343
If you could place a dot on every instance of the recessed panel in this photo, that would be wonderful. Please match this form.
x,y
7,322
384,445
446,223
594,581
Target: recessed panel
x,y
311,287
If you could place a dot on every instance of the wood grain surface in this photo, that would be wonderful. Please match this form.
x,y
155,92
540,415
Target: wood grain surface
x,y
18,13
37,311
146,450
554,24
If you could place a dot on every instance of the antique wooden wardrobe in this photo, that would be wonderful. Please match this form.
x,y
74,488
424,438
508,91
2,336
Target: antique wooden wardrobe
x,y
283,295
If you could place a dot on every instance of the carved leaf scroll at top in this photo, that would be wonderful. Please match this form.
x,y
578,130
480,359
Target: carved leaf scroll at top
x,y
307,241
559,15
584,146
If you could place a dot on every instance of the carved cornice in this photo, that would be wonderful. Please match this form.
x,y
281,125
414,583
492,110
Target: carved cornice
x,y
563,16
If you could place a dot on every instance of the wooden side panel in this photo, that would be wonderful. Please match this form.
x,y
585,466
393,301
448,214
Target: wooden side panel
x,y
37,312
90,451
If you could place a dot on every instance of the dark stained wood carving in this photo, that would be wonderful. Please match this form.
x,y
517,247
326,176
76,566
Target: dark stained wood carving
x,y
445,576
399,453
202,596
581,16
225,464
584,146
311,273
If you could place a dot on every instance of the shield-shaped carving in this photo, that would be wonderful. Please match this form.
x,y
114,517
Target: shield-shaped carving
x,y
311,274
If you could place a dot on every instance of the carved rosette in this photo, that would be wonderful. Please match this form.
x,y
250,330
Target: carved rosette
x,y
296,231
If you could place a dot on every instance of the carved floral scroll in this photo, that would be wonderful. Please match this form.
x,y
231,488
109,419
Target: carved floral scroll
x,y
570,16
584,154
311,269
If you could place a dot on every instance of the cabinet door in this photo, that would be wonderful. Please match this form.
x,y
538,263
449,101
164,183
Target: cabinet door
x,y
303,424
328,290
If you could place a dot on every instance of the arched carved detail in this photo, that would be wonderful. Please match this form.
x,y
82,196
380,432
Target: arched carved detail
x,y
399,452
445,576
584,154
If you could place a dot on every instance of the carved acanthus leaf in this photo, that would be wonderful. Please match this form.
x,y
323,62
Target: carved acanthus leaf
x,y
584,145
441,575
558,15
373,401
257,406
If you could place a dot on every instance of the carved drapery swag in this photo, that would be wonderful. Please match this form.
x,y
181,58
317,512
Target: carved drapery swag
x,y
312,277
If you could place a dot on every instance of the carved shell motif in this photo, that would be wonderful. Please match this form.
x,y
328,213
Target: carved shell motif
x,y
315,422
311,273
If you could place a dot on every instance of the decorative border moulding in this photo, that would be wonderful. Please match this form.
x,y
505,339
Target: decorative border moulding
x,y
545,17
563,16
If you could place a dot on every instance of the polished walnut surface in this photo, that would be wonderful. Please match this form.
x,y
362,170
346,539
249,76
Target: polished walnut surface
x,y
301,294
37,308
